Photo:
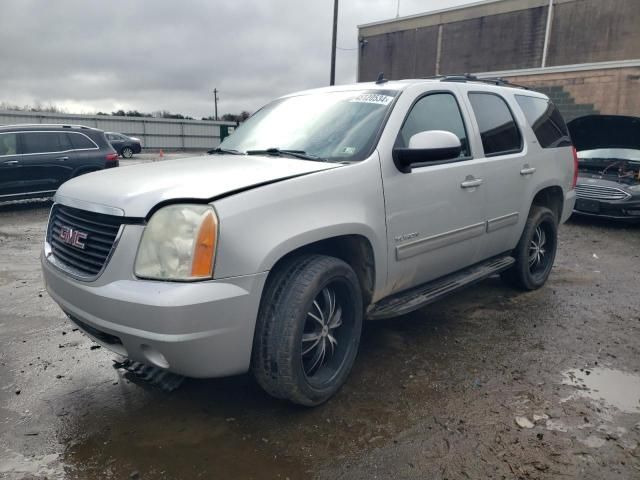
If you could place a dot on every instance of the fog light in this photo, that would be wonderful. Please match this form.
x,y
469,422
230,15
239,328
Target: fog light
x,y
154,356
632,212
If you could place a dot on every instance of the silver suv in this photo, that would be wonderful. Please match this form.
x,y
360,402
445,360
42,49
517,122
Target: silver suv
x,y
327,207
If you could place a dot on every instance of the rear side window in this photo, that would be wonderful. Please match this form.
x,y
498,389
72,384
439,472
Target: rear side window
x,y
436,111
44,142
545,120
80,141
498,130
8,144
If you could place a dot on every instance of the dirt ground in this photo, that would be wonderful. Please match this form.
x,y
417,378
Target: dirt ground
x,y
490,383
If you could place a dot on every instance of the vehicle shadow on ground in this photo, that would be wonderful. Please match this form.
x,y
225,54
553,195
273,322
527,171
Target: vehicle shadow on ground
x,y
583,220
231,427
26,206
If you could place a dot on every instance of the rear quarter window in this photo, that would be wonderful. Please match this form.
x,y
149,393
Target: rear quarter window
x,y
545,120
80,142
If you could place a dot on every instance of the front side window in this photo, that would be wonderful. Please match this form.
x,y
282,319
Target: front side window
x,y
336,126
498,130
8,144
437,111
44,142
545,120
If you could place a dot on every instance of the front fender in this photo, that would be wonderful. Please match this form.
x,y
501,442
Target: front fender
x,y
260,226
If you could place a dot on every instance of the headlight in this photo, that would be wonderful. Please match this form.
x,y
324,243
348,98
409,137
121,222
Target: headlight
x,y
634,188
178,243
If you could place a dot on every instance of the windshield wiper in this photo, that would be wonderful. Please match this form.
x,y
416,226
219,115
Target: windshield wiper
x,y
282,152
218,150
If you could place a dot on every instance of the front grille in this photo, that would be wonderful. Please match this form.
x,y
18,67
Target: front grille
x,y
600,192
82,240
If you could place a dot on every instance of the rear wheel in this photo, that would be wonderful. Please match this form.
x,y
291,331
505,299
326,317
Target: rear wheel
x,y
535,252
308,329
127,152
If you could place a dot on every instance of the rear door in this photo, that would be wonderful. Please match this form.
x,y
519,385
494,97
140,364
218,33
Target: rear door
x,y
10,183
46,160
508,171
435,214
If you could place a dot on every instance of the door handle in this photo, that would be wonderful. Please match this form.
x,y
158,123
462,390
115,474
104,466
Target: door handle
x,y
11,162
62,159
527,170
472,182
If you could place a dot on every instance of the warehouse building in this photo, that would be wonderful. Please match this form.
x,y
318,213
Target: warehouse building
x,y
584,54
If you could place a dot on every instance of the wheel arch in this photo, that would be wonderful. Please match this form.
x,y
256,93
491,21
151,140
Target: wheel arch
x,y
355,249
552,197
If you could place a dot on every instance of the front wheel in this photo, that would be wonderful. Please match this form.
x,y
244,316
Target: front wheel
x,y
535,252
127,152
308,329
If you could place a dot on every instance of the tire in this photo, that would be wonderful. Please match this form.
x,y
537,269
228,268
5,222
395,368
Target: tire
x,y
311,304
533,264
127,152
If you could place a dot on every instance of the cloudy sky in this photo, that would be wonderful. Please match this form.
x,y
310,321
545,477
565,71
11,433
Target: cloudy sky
x,y
150,55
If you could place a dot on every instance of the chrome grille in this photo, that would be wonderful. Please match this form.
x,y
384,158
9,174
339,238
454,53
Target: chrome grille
x,y
600,192
98,233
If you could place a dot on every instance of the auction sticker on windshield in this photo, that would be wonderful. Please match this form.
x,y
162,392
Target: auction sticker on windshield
x,y
372,98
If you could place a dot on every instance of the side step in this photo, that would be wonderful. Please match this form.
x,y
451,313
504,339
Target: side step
x,y
418,297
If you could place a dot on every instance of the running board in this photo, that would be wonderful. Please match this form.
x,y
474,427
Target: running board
x,y
418,297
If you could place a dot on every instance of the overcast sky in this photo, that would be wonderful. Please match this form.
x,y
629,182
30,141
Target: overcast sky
x,y
150,55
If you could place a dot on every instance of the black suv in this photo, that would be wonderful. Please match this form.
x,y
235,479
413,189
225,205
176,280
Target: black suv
x,y
124,145
36,159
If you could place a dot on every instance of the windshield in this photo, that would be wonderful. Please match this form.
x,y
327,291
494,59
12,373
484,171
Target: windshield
x,y
334,126
610,154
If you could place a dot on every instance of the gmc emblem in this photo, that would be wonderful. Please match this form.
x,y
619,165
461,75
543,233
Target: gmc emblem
x,y
72,237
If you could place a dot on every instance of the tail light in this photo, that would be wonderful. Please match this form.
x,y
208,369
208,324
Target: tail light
x,y
111,157
575,168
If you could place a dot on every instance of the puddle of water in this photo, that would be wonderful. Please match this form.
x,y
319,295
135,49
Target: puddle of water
x,y
614,387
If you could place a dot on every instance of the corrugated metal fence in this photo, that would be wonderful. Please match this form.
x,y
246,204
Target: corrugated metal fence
x,y
155,133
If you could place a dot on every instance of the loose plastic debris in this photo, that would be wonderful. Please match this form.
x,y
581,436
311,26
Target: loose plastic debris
x,y
158,377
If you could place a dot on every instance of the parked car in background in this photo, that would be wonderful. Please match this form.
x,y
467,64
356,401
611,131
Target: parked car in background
x,y
36,159
609,166
378,199
125,146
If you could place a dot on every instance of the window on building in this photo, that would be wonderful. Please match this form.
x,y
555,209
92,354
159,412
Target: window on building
x,y
437,111
498,130
545,120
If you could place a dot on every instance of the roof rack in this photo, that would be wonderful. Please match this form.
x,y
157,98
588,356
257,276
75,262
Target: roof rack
x,y
466,77
48,125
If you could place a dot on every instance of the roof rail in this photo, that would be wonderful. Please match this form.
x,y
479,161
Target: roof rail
x,y
62,125
466,77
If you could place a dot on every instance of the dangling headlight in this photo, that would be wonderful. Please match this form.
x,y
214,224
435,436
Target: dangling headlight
x,y
178,243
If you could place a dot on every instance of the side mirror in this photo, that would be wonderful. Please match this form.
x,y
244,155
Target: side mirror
x,y
431,146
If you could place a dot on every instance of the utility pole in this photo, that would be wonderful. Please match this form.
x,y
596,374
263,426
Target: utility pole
x,y
332,79
215,103
398,10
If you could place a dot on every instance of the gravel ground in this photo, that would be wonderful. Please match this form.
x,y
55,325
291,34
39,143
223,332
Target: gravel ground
x,y
489,383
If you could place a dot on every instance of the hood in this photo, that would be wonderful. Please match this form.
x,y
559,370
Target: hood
x,y
135,190
605,131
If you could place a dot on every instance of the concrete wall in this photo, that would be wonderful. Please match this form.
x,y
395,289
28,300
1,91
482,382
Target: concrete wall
x,y
500,35
155,133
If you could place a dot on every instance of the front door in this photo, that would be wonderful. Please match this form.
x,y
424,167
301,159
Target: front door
x,y
435,214
9,165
